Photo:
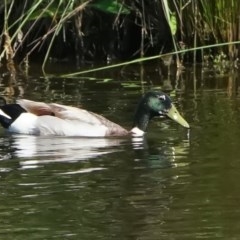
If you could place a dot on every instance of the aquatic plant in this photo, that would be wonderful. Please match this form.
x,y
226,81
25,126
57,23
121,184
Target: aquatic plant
x,y
90,30
206,22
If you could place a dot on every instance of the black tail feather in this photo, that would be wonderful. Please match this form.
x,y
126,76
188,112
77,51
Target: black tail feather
x,y
5,122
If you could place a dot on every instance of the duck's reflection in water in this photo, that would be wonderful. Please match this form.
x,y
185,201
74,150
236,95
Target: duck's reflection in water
x,y
34,150
165,153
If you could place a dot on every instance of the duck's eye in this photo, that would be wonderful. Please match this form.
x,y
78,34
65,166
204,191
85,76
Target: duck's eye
x,y
162,97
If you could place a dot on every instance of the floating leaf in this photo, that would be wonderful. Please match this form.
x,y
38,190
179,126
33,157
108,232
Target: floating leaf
x,y
130,85
106,80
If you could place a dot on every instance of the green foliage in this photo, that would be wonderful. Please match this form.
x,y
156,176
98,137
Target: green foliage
x,y
110,6
210,22
170,17
173,23
44,13
198,23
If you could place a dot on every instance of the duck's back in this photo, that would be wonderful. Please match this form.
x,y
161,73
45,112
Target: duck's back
x,y
57,119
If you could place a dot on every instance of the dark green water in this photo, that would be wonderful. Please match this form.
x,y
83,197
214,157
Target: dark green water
x,y
173,184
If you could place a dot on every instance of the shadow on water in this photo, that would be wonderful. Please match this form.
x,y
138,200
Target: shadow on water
x,y
171,184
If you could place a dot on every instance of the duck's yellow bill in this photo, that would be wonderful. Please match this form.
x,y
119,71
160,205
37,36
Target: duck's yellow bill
x,y
176,116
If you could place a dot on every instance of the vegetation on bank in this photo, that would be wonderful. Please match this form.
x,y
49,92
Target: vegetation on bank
x,y
123,30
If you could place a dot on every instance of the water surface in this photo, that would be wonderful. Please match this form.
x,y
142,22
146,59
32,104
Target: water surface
x,y
172,184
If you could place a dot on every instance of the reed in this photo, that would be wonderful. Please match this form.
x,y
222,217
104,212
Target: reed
x,y
36,26
145,59
207,22
43,16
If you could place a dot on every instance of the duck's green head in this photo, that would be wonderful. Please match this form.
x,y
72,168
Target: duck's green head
x,y
156,103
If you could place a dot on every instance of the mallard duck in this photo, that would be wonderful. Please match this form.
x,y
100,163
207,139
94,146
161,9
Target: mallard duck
x,y
38,118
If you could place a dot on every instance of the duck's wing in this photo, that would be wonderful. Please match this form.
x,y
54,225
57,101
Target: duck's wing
x,y
71,113
58,110
37,108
